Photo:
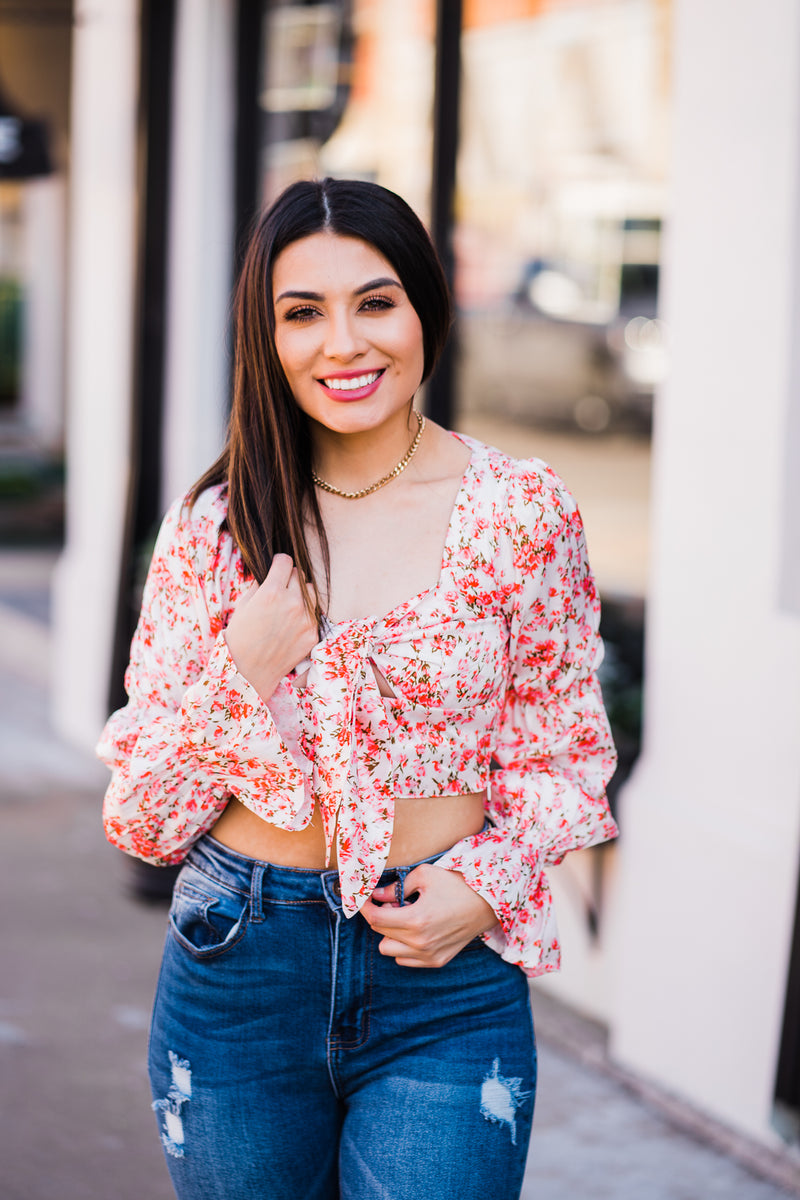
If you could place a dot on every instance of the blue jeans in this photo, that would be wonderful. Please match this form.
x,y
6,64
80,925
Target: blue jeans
x,y
290,1060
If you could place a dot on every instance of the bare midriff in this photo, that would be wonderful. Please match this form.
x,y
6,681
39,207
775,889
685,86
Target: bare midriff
x,y
422,828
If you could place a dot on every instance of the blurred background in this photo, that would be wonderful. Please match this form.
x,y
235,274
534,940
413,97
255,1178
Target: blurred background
x,y
612,186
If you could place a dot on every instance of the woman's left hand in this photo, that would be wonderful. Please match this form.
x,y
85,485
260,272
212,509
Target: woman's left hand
x,y
428,933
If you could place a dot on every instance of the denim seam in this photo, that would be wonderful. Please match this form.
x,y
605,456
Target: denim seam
x,y
337,1043
334,977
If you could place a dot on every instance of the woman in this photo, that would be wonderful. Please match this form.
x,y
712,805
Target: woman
x,y
362,697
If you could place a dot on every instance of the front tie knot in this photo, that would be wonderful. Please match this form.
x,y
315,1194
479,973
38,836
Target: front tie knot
x,y
351,776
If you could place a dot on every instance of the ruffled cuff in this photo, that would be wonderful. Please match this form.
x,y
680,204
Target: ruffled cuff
x,y
510,878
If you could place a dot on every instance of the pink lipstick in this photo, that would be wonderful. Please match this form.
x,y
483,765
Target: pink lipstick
x,y
351,385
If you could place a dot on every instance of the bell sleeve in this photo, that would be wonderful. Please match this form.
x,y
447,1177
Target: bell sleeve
x,y
553,753
194,731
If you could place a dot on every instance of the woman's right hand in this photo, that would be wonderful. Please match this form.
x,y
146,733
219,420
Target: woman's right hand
x,y
271,631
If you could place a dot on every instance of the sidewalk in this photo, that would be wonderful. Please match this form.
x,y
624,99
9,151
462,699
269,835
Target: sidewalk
x,y
79,963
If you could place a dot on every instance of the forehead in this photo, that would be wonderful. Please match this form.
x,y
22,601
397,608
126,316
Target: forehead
x,y
327,262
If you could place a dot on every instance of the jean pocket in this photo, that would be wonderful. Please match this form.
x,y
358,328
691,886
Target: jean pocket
x,y
206,918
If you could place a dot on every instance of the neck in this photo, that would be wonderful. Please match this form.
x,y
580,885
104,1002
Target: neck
x,y
355,460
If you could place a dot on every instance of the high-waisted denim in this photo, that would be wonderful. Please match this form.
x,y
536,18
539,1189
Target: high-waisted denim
x,y
290,1060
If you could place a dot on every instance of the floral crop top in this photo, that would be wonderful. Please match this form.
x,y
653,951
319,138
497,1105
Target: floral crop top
x,y
493,671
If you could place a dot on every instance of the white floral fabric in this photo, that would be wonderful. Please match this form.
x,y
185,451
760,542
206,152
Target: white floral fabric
x,y
494,678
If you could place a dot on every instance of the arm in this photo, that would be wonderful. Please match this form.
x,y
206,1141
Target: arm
x,y
194,731
553,751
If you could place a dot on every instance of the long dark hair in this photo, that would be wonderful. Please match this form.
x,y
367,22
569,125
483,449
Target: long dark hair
x,y
266,462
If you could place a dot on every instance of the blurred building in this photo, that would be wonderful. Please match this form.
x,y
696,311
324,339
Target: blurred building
x,y
34,145
185,114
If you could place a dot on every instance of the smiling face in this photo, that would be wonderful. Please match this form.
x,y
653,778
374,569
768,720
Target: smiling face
x,y
348,339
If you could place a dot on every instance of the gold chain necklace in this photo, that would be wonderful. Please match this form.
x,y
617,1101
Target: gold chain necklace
x,y
401,466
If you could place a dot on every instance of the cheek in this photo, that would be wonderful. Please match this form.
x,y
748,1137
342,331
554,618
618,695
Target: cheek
x,y
290,353
414,348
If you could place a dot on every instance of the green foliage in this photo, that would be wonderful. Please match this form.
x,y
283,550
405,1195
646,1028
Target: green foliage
x,y
11,326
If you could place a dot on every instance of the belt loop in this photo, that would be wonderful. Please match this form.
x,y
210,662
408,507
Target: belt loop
x,y
399,884
256,902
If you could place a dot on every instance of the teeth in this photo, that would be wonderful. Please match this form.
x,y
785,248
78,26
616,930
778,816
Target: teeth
x,y
350,385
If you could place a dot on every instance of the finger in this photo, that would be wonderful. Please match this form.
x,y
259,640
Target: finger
x,y
404,956
389,892
417,879
383,894
393,948
305,587
386,918
297,583
296,588
373,913
280,571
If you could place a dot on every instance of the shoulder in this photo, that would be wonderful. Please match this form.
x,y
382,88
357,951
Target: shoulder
x,y
207,513
188,521
523,494
540,554
194,533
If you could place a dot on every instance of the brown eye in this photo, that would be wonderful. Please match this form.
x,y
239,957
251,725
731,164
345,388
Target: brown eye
x,y
377,303
298,315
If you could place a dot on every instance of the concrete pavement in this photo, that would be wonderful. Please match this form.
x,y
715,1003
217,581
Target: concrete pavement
x,y
79,959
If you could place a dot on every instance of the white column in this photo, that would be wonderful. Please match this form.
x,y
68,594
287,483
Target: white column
x,y
44,222
200,241
99,341
711,822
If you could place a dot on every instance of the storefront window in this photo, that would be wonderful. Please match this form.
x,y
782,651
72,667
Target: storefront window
x,y
560,206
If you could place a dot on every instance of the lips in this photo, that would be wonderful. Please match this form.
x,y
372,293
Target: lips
x,y
351,386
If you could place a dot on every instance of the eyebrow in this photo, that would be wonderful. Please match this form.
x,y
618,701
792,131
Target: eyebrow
x,y
384,281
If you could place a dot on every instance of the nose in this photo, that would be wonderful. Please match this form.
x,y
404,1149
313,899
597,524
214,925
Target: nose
x,y
343,340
